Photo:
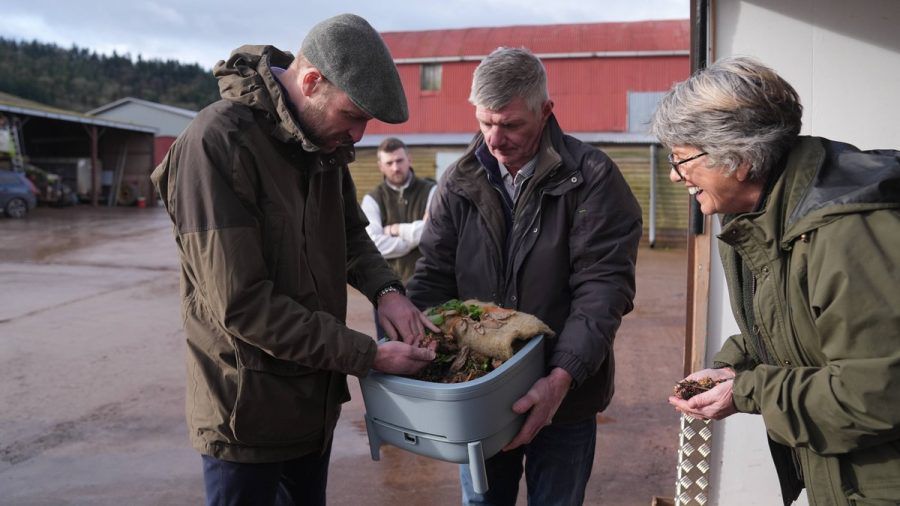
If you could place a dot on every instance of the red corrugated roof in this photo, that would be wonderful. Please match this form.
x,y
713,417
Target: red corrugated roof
x,y
664,35
590,93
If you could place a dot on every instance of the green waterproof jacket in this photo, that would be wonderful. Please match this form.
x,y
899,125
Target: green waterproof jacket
x,y
821,364
269,233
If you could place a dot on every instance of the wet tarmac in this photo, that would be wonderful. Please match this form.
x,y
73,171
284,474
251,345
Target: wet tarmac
x,y
92,376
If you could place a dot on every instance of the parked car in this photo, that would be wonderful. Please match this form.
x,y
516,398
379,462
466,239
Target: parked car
x,y
18,195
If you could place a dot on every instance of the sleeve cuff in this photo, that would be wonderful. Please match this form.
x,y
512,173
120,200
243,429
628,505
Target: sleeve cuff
x,y
742,393
393,286
365,358
572,364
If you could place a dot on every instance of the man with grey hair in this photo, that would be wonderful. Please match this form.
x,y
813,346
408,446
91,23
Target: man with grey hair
x,y
532,219
269,233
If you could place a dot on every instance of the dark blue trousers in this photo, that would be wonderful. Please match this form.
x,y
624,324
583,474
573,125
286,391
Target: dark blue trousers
x,y
298,482
557,465
379,330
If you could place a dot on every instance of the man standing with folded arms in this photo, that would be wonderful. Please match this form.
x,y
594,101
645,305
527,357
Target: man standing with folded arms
x,y
397,209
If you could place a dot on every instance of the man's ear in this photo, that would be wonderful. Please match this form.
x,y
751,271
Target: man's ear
x,y
546,109
310,81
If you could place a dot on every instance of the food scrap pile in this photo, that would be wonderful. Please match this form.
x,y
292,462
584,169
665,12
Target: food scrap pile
x,y
686,389
457,362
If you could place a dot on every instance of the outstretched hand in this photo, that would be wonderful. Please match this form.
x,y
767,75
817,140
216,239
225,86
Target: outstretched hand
x,y
401,319
543,399
714,404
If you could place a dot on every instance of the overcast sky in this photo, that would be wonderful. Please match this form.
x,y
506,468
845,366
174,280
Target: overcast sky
x,y
205,31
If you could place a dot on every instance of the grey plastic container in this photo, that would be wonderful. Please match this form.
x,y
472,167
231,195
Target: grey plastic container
x,y
459,422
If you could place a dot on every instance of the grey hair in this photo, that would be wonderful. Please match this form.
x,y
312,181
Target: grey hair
x,y
736,110
508,73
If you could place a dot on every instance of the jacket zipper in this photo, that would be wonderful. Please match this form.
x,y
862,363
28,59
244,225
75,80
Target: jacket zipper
x,y
511,259
534,219
795,458
757,335
502,253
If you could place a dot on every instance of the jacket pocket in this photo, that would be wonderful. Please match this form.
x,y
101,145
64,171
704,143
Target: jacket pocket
x,y
873,474
278,402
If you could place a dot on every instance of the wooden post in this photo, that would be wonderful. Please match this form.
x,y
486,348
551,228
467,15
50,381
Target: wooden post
x,y
699,252
699,237
151,194
95,170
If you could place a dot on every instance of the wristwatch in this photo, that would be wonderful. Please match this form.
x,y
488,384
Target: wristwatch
x,y
393,287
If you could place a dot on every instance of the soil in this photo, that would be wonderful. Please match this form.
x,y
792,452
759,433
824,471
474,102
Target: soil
x,y
686,389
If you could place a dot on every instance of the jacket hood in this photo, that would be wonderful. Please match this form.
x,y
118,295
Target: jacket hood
x,y
247,78
844,180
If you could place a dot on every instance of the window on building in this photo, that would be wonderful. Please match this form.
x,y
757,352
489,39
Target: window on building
x,y
430,78
443,160
641,106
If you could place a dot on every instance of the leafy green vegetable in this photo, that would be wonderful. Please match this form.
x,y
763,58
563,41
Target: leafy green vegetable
x,y
472,311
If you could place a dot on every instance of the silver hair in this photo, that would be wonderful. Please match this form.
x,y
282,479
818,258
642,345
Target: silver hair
x,y
737,110
508,73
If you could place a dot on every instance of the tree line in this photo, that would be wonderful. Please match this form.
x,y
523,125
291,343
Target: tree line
x,y
78,79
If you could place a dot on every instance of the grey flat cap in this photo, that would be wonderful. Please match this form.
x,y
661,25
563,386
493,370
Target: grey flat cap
x,y
353,56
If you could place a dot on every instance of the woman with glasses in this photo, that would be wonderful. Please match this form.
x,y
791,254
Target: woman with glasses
x,y
810,244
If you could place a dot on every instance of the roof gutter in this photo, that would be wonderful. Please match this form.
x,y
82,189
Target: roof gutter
x,y
552,56
462,139
75,118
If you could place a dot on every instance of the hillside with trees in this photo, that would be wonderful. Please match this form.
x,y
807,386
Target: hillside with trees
x,y
80,80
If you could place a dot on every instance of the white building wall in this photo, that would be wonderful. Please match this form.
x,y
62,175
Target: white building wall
x,y
842,57
844,60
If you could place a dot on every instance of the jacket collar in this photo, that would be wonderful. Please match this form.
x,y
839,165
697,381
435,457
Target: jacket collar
x,y
410,181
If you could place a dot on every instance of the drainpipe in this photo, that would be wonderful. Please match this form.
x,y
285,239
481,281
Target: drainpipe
x,y
652,195
95,170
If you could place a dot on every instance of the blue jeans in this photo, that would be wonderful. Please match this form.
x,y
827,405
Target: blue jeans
x,y
557,467
299,481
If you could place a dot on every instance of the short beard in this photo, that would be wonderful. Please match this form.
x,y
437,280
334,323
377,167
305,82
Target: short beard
x,y
310,117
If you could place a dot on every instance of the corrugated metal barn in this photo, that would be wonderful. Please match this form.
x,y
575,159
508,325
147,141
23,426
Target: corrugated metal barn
x,y
604,78
168,121
100,159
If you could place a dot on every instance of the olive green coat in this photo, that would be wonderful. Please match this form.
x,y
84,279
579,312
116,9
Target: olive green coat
x,y
825,258
269,233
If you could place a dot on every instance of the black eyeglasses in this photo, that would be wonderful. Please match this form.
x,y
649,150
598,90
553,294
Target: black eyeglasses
x,y
675,164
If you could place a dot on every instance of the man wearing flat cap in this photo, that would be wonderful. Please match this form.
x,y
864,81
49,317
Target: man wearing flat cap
x,y
269,233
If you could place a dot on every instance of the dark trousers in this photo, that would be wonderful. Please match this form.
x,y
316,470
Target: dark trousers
x,y
379,330
298,482
557,465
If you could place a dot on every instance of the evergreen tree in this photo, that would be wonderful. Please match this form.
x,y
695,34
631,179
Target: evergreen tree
x,y
80,80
